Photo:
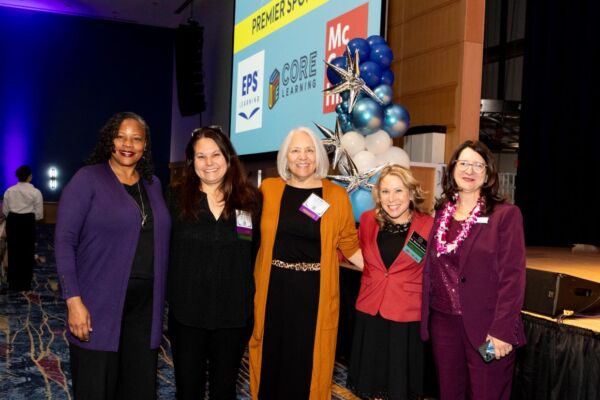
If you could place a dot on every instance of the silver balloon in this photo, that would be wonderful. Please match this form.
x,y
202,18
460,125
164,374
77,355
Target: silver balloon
x,y
356,180
351,80
333,139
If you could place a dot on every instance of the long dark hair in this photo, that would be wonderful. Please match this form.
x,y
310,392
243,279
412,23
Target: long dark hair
x,y
238,193
490,187
105,145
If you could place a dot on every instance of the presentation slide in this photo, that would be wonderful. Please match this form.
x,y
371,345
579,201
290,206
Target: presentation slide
x,y
278,70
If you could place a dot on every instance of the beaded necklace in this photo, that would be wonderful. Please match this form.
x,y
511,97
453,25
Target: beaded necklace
x,y
441,234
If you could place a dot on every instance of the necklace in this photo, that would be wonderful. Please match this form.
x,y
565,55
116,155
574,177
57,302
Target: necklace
x,y
441,234
143,213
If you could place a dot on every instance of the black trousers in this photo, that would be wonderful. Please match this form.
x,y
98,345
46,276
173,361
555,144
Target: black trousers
x,y
20,240
130,372
198,350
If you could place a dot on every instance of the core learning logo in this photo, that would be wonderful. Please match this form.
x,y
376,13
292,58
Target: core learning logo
x,y
249,97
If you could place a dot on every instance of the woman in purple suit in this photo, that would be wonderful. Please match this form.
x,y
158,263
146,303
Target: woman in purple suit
x,y
474,280
112,242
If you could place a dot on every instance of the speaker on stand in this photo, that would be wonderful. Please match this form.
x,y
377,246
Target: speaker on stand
x,y
189,68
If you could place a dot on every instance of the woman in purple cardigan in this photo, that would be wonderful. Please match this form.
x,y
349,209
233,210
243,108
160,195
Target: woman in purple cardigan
x,y
474,280
112,239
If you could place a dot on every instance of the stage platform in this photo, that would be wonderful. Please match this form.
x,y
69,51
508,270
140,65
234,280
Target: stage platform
x,y
562,260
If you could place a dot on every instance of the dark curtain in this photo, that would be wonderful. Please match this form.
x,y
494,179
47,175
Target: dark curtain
x,y
559,152
558,362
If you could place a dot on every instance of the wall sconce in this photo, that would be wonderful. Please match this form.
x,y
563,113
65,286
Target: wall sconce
x,y
53,174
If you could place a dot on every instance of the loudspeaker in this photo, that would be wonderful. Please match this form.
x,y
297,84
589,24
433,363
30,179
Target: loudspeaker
x,y
551,293
188,66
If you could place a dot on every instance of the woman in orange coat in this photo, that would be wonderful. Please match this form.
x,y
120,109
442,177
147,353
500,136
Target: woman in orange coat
x,y
305,220
387,353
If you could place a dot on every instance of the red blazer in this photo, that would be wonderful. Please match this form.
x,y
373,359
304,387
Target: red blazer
x,y
395,292
492,278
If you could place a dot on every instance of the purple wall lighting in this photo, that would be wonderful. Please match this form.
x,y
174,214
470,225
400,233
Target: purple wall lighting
x,y
52,6
14,150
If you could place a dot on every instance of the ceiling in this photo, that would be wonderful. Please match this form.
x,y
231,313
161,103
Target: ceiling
x,y
146,12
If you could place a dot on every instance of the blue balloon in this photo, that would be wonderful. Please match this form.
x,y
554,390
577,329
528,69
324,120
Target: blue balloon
x,y
375,39
347,127
342,108
332,76
345,95
344,118
370,72
373,180
384,93
362,46
367,115
382,55
387,77
396,120
361,200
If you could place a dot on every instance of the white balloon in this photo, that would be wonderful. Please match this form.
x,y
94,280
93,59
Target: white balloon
x,y
378,142
364,160
394,155
353,142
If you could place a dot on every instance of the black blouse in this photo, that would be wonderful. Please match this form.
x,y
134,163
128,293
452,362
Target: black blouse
x,y
143,261
390,241
298,237
210,282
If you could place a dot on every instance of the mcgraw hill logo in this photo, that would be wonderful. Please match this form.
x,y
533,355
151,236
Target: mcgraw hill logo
x,y
249,99
339,31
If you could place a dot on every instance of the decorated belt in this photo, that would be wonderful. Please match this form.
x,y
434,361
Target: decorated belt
x,y
303,266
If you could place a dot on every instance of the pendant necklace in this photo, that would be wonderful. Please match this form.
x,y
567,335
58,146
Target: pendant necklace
x,y
143,213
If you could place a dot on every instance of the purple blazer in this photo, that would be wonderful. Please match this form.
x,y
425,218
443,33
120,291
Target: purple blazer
x,y
492,278
97,231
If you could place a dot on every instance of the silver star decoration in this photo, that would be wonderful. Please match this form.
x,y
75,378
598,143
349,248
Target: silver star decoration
x,y
333,139
351,80
356,180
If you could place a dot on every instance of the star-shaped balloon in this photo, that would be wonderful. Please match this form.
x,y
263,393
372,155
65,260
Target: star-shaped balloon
x,y
356,180
333,139
351,80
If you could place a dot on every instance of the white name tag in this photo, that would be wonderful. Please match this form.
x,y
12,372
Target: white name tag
x,y
482,220
314,206
243,219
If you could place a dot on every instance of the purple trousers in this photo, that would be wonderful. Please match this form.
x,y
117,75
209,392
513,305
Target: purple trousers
x,y
462,373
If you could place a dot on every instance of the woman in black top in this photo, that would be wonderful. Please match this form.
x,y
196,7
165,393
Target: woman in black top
x,y
215,236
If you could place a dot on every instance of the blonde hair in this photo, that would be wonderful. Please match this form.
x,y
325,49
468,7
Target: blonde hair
x,y
322,161
417,194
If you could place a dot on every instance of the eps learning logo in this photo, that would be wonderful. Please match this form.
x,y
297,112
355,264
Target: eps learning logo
x,y
250,79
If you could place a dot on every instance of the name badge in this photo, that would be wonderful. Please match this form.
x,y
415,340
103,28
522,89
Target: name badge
x,y
416,247
243,220
314,207
482,220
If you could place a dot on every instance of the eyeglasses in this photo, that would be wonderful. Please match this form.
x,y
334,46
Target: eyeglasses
x,y
463,165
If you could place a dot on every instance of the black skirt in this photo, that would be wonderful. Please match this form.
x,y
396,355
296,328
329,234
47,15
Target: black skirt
x,y
387,359
289,336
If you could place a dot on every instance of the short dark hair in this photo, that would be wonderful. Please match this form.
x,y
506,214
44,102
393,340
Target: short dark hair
x,y
23,173
490,187
105,146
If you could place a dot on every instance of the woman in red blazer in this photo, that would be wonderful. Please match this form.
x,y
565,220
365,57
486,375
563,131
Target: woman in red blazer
x,y
474,280
387,354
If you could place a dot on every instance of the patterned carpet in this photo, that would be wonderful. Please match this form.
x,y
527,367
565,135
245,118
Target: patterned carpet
x,y
34,359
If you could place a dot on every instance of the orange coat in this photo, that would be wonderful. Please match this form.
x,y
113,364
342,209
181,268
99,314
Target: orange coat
x,y
395,292
337,231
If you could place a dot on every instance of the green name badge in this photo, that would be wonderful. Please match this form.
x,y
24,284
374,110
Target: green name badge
x,y
416,247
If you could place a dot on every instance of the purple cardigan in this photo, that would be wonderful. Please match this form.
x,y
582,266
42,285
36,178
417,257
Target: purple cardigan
x,y
492,278
97,231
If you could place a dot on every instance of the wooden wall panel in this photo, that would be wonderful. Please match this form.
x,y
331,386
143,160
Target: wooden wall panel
x,y
438,54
